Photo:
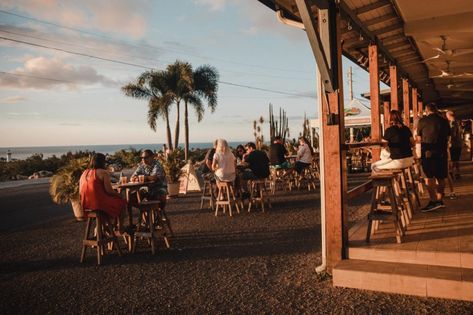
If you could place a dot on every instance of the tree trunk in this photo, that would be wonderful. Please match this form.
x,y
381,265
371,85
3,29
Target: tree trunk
x,y
176,131
186,132
168,132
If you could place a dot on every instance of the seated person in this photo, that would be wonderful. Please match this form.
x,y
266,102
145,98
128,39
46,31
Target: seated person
x,y
257,161
223,163
96,192
205,168
152,171
239,153
304,155
400,142
277,154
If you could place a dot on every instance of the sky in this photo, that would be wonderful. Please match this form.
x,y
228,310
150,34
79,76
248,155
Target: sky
x,y
62,63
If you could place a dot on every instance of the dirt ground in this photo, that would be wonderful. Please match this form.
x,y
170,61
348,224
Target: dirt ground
x,y
251,263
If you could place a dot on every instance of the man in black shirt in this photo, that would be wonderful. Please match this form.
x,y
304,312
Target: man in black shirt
x,y
277,154
258,162
433,132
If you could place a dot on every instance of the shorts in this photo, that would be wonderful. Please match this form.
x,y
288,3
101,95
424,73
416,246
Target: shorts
x,y
285,164
455,153
435,166
300,166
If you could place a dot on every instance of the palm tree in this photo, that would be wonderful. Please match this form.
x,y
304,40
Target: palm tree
x,y
205,85
180,85
153,86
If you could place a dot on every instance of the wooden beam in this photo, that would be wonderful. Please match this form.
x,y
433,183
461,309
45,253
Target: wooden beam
x,y
415,110
393,76
372,6
374,99
386,114
405,98
334,155
387,29
380,19
305,10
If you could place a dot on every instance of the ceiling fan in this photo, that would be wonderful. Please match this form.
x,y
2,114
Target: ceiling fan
x,y
443,51
446,73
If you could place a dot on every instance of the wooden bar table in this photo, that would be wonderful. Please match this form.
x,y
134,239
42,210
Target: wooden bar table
x,y
129,188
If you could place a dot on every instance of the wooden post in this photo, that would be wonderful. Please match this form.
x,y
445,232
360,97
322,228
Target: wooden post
x,y
405,98
386,114
393,80
334,155
421,109
415,110
374,98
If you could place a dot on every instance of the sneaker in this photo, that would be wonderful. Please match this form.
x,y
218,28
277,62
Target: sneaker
x,y
431,206
452,196
440,204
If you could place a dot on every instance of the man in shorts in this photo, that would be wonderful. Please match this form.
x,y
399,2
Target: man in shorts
x,y
433,131
456,143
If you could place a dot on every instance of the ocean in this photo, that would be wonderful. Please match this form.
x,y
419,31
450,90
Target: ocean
x,y
21,153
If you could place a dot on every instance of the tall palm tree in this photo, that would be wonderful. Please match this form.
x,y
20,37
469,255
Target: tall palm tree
x,y
153,86
204,85
180,84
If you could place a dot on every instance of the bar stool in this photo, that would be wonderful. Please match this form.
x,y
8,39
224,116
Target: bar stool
x,y
208,194
148,221
104,235
257,192
226,197
379,212
418,175
280,178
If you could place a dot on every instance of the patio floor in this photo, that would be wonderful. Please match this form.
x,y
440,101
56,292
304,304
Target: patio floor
x,y
435,258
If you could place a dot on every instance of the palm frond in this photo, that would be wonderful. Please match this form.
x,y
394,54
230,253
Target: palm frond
x,y
136,91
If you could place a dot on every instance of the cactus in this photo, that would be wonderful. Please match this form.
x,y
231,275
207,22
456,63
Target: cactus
x,y
278,128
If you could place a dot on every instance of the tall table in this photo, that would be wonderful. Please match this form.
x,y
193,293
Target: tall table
x,y
130,187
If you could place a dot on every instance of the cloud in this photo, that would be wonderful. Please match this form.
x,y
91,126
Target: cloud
x,y
12,99
122,17
213,5
34,114
44,73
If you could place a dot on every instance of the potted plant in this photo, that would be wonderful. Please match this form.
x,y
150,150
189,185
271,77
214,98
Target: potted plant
x,y
172,165
64,185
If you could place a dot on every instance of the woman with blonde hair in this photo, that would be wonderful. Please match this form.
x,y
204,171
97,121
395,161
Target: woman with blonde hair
x,y
223,163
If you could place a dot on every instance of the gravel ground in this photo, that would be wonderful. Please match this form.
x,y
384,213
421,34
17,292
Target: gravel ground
x,y
251,263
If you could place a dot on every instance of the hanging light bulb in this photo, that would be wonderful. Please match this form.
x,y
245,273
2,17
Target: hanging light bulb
x,y
349,27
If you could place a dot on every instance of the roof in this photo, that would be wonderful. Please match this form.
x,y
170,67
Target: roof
x,y
430,41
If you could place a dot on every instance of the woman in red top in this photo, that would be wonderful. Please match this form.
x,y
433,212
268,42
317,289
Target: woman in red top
x,y
96,192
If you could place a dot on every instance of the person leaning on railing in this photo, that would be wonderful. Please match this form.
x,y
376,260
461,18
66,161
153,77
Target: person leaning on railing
x,y
400,142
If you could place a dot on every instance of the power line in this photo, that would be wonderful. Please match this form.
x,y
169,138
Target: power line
x,y
34,77
139,66
143,45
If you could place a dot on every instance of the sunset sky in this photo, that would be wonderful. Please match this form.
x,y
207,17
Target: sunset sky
x,y
51,94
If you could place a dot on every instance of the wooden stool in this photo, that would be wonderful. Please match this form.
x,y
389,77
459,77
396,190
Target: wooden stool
x,y
208,194
378,211
226,197
418,175
280,177
257,189
148,220
414,185
104,235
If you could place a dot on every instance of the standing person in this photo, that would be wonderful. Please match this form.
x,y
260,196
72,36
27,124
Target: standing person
x,y
277,154
223,163
456,142
304,155
433,132
152,171
400,142
96,192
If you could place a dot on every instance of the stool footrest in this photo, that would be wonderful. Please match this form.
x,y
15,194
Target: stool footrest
x,y
379,215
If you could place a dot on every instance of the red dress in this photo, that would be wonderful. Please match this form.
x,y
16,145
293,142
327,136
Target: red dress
x,y
94,197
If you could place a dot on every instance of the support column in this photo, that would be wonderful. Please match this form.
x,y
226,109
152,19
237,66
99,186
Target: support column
x,y
405,98
415,110
386,114
393,80
374,98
